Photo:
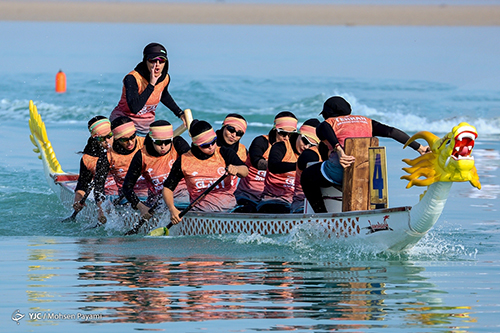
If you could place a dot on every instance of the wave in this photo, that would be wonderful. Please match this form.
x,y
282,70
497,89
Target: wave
x,y
410,106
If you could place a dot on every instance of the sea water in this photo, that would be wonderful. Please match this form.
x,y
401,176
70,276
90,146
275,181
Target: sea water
x,y
61,277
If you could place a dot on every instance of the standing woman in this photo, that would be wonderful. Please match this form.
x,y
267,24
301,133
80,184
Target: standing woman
x,y
154,162
251,187
202,166
94,165
144,88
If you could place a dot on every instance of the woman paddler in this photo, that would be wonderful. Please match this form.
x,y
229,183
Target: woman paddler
x,y
233,129
279,184
202,166
311,154
126,143
154,162
250,188
144,88
94,165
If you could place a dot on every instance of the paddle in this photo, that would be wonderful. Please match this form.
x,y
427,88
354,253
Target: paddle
x,y
164,231
72,218
138,225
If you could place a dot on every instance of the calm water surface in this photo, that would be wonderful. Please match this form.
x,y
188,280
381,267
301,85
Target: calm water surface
x,y
175,284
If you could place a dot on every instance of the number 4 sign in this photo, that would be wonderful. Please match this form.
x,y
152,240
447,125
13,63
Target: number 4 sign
x,y
379,197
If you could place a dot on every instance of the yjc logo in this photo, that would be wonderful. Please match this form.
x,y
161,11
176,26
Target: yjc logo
x,y
16,316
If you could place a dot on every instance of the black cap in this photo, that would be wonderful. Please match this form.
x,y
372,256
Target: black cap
x,y
335,106
154,50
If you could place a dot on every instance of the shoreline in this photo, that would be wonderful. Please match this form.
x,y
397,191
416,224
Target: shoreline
x,y
250,14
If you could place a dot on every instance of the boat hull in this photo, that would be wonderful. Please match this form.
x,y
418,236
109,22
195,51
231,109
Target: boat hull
x,y
384,228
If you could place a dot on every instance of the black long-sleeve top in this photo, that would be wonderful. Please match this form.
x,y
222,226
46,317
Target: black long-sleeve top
x,y
135,168
176,175
136,101
278,152
257,149
325,132
86,176
305,157
256,152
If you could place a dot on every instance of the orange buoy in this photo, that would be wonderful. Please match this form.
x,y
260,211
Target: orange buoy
x,y
60,82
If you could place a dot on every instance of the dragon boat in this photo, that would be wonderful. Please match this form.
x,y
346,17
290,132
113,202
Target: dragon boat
x,y
386,229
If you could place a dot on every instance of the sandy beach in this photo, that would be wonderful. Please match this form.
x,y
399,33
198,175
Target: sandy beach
x,y
246,14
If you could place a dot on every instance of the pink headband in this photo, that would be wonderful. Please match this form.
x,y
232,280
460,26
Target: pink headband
x,y
102,127
163,132
310,132
286,123
124,130
238,123
205,137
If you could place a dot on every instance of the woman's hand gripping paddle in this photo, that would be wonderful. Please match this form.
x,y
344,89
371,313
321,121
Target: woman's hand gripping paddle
x,y
72,218
164,231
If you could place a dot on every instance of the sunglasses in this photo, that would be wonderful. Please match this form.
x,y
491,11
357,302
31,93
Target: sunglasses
x,y
233,130
208,145
162,142
284,133
306,141
130,138
104,138
161,60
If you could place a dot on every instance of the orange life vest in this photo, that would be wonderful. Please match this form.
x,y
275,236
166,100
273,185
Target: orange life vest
x,y
156,169
200,174
281,186
119,165
252,186
146,115
90,162
350,127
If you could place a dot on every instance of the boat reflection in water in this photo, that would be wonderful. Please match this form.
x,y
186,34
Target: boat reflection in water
x,y
140,280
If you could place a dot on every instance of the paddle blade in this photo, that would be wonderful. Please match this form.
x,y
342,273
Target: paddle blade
x,y
162,231
72,218
68,219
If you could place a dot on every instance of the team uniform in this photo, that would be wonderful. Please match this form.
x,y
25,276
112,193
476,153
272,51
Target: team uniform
x,y
154,168
200,171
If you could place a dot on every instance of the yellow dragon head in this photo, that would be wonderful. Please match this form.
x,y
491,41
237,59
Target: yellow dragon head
x,y
450,158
